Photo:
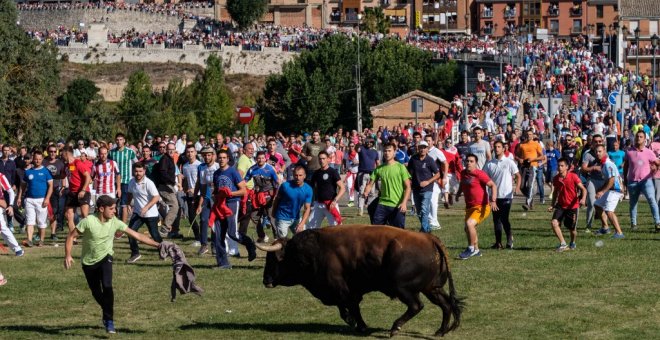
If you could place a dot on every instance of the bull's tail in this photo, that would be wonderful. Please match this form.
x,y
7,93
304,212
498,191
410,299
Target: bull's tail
x,y
456,303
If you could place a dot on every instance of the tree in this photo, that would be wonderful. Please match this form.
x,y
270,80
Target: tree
x,y
316,90
375,21
79,94
215,110
29,79
137,104
246,12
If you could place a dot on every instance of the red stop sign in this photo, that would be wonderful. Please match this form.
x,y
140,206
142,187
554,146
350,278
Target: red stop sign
x,y
245,115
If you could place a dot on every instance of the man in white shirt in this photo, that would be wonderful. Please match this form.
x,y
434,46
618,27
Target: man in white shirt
x,y
441,161
188,180
480,148
144,195
502,170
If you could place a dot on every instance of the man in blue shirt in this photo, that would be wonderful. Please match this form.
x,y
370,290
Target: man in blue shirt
x,y
37,187
424,173
292,196
552,155
368,161
608,195
617,155
202,191
227,180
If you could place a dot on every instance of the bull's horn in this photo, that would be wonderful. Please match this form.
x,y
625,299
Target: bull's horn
x,y
269,247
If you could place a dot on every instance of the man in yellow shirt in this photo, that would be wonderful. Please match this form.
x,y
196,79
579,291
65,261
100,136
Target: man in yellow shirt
x,y
99,233
528,155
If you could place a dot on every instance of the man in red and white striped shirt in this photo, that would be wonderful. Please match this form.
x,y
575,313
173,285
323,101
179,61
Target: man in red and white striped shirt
x,y
106,175
6,207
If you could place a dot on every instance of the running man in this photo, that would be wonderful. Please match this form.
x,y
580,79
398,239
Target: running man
x,y
125,157
502,170
565,203
37,187
98,233
394,191
609,195
144,195
328,188
291,198
477,206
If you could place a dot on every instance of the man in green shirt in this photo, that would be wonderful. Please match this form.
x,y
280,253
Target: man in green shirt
x,y
394,191
125,157
98,231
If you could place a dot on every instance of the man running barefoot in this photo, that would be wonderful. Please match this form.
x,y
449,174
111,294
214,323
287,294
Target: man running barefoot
x,y
98,235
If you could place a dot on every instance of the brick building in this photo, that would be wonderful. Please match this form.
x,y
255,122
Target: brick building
x,y
638,23
398,110
561,18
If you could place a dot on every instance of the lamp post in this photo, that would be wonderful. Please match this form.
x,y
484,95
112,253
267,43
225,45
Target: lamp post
x,y
500,48
637,51
654,44
358,79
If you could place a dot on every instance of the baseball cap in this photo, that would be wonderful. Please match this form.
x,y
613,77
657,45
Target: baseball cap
x,y
207,149
150,137
423,143
448,140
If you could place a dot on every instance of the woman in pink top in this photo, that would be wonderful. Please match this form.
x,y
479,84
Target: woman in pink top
x,y
637,167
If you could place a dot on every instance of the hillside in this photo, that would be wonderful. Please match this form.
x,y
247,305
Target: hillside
x,y
112,78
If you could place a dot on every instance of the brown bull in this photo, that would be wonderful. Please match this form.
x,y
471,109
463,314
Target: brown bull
x,y
339,265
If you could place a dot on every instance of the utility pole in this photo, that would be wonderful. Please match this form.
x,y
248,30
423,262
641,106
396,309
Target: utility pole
x,y
359,80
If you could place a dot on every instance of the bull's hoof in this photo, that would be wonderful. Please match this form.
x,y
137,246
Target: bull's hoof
x,y
361,328
350,321
394,331
440,333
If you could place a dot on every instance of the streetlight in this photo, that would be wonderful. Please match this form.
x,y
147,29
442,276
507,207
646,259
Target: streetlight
x,y
358,80
654,44
500,48
637,51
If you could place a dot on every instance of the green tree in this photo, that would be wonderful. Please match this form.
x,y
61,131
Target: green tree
x,y
316,90
79,94
137,104
215,109
29,80
176,112
246,12
375,21
443,80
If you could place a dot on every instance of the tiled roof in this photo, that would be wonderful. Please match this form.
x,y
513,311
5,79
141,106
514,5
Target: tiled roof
x,y
639,9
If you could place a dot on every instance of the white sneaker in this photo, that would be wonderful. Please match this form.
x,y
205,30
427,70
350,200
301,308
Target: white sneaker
x,y
196,244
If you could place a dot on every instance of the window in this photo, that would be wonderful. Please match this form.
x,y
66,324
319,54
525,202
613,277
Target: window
x,y
631,29
554,26
653,27
599,11
577,26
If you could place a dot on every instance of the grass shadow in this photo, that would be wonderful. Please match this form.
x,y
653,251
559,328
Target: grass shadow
x,y
64,330
312,328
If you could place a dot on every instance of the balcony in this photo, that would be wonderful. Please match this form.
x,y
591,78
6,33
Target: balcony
x,y
398,21
554,30
488,30
553,12
510,13
437,26
335,17
576,30
440,6
487,13
576,11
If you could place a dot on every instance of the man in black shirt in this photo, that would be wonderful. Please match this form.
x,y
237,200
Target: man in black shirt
x,y
328,188
368,161
463,147
424,172
58,198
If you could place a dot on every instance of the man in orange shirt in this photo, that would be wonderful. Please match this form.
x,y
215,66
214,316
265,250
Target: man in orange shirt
x,y
529,154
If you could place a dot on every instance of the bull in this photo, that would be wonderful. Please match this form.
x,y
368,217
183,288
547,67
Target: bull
x,y
339,265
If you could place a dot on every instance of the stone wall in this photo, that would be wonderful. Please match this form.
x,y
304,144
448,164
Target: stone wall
x,y
117,21
236,61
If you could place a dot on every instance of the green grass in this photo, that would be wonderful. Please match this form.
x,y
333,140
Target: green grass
x,y
531,292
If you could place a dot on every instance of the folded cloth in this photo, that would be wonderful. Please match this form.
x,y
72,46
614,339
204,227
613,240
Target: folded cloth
x,y
183,275
220,210
333,210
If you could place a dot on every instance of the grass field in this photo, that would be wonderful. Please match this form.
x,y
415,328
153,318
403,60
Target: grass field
x,y
531,292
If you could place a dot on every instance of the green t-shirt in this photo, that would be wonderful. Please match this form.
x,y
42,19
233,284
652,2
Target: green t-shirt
x,y
244,164
391,183
98,238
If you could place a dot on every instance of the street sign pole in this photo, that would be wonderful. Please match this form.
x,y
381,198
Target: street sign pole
x,y
246,130
245,116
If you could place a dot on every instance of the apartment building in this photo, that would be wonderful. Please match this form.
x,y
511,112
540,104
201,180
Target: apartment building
x,y
638,32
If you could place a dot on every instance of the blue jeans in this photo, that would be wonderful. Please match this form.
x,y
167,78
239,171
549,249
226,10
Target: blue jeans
x,y
204,221
642,187
228,227
423,203
384,215
539,182
135,223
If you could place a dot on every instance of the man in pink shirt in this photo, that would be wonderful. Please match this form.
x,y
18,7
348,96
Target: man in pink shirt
x,y
637,168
